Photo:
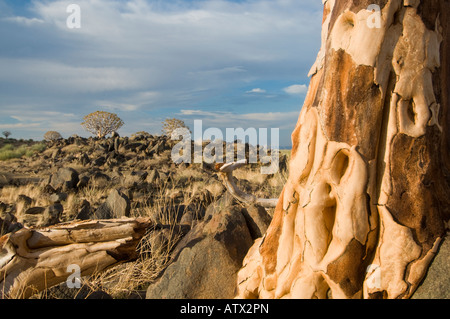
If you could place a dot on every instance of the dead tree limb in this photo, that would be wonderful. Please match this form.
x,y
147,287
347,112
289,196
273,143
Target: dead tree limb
x,y
226,173
32,260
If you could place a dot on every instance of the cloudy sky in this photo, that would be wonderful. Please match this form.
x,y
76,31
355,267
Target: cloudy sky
x,y
240,63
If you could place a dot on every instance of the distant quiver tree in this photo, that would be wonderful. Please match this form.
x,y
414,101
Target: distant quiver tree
x,y
102,123
52,136
170,125
6,134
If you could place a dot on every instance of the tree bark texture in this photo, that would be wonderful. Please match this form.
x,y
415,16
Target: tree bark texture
x,y
367,200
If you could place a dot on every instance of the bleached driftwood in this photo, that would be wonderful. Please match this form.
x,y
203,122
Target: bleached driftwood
x,y
32,260
226,173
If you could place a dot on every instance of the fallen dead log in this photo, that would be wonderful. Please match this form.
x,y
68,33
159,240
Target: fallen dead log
x,y
32,260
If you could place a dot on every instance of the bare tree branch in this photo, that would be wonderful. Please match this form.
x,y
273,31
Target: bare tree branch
x,y
226,173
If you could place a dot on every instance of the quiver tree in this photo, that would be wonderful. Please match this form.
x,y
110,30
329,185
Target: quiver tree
x,y
170,125
51,136
6,134
364,209
102,123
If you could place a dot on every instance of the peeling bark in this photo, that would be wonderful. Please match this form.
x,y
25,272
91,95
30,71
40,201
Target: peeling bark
x,y
364,209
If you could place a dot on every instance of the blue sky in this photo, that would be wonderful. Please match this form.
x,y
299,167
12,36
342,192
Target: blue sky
x,y
228,63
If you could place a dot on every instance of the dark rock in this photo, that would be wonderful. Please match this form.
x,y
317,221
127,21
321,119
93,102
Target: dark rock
x,y
258,220
99,295
35,210
48,189
10,224
84,212
51,215
117,205
436,284
114,134
116,144
58,197
64,179
83,182
99,161
99,179
172,213
192,215
56,153
216,207
84,159
3,207
207,260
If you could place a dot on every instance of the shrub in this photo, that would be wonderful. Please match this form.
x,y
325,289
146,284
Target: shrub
x,y
102,123
8,151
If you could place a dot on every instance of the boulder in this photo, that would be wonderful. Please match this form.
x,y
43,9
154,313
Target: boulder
x,y
99,179
206,260
84,212
99,161
3,207
51,215
42,217
84,159
258,220
83,182
117,205
23,203
436,284
64,179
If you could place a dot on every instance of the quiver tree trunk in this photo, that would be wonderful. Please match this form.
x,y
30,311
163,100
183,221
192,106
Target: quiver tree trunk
x,y
366,203
32,260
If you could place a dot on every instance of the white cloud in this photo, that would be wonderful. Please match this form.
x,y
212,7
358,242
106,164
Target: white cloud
x,y
18,126
296,89
24,20
256,90
282,120
51,76
138,56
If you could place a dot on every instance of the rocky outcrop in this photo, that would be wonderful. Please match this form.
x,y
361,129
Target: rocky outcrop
x,y
363,212
206,260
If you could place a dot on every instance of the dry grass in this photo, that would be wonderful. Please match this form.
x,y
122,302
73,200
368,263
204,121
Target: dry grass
x,y
10,194
153,254
93,194
121,281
